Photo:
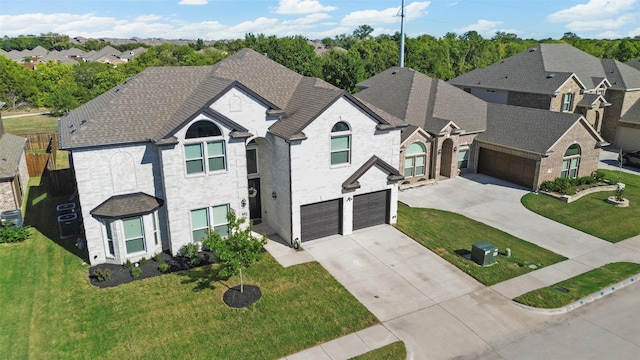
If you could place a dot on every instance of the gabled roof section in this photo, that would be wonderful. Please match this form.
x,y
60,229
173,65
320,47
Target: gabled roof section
x,y
393,175
527,129
634,63
11,149
622,76
592,101
410,130
540,70
121,206
422,101
154,103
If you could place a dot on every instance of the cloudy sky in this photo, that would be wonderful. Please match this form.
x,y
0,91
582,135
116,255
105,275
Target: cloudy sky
x,y
317,19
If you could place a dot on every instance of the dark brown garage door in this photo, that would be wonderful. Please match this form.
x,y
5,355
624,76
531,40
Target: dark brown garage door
x,y
511,168
321,219
370,209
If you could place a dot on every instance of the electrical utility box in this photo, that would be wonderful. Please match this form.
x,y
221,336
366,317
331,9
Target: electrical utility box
x,y
484,253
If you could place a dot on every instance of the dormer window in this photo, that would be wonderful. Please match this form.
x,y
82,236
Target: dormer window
x,y
204,148
340,143
566,101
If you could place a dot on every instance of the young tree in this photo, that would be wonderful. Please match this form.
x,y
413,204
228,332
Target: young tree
x,y
240,249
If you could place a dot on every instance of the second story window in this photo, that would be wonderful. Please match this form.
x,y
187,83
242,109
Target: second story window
x,y
340,143
204,148
566,101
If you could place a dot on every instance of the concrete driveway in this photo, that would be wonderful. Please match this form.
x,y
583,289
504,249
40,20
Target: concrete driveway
x,y
436,309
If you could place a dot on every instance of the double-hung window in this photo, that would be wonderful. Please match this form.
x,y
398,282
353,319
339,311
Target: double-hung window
x,y
133,235
111,251
204,148
214,218
415,160
340,143
571,162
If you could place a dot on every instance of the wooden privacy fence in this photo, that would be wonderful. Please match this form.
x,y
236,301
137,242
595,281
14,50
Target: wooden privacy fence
x,y
40,152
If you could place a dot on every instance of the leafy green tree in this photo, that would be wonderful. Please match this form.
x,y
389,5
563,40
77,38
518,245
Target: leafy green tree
x,y
240,249
363,32
18,87
343,69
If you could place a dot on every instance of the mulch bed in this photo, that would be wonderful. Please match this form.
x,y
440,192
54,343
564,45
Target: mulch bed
x,y
234,298
121,275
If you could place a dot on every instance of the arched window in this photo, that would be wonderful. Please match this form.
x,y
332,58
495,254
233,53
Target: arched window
x,y
340,143
415,160
201,147
571,162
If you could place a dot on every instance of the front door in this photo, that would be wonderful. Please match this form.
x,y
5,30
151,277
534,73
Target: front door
x,y
255,209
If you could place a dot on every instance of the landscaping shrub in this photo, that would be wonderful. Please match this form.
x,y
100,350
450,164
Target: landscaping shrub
x,y
190,251
143,261
157,257
128,264
13,234
568,186
598,175
135,272
102,274
164,267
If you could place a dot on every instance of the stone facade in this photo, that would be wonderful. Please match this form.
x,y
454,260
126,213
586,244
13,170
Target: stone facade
x,y
7,196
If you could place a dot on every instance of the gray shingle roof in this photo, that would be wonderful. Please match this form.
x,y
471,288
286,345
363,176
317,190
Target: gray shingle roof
x,y
635,63
539,70
528,129
11,148
153,104
422,101
632,115
621,76
120,206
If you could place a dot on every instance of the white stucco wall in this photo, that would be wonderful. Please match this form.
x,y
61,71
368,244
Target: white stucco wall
x,y
314,179
104,172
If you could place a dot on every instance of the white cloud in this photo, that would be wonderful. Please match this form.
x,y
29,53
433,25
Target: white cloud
x,y
603,23
150,17
312,19
635,32
592,10
254,26
387,16
454,3
482,27
193,2
302,7
608,35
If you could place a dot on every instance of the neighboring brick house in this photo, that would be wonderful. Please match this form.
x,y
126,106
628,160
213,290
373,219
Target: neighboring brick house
x,y
165,156
14,174
452,131
561,78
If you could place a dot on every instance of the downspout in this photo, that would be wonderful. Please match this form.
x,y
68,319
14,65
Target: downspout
x,y
290,198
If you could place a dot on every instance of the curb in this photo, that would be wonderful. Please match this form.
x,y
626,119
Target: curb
x,y
585,300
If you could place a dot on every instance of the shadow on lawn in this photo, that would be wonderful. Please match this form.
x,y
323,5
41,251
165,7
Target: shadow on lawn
x,y
41,214
203,278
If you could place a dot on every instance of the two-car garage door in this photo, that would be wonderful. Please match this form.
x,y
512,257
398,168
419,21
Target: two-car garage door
x,y
325,218
511,168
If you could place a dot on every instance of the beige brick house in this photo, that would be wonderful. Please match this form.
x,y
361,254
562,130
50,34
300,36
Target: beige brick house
x,y
561,78
13,170
452,132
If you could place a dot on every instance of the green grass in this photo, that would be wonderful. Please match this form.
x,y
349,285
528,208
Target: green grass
x,y
30,124
592,214
450,235
49,310
393,351
579,286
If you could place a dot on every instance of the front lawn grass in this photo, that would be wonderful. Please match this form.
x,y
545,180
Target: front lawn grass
x,y
393,351
592,214
49,310
451,235
570,290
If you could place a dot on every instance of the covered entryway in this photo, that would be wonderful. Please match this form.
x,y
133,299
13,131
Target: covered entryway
x,y
320,219
446,158
512,168
370,209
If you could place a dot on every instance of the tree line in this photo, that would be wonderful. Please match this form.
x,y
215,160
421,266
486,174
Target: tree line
x,y
346,61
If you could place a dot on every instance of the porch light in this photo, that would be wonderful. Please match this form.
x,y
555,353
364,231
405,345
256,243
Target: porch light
x,y
243,202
